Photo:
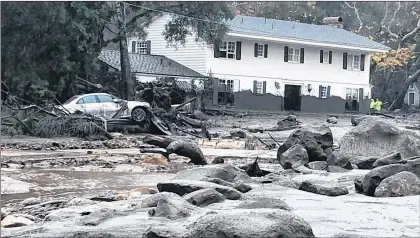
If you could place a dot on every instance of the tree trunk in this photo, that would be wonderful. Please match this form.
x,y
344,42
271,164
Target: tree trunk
x,y
399,101
125,68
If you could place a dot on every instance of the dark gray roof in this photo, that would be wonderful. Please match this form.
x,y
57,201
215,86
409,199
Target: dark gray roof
x,y
302,31
148,64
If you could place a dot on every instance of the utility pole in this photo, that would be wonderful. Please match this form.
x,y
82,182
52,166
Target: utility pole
x,y
124,57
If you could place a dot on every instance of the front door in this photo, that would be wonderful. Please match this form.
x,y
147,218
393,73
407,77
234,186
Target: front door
x,y
292,97
411,99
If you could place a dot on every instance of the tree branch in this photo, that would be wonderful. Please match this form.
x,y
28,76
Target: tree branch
x,y
411,33
392,20
383,20
356,11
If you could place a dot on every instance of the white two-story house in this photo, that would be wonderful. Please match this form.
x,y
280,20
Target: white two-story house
x,y
272,65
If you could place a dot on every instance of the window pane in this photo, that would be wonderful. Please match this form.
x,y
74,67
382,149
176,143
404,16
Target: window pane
x,y
105,98
290,51
231,47
223,45
231,56
260,50
70,99
325,57
89,99
222,54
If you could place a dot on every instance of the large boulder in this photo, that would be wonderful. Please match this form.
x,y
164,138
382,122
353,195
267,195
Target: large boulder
x,y
250,223
373,137
356,120
222,171
204,197
15,221
182,187
307,186
317,141
318,165
339,160
358,184
363,162
372,179
294,155
398,185
274,203
393,158
413,166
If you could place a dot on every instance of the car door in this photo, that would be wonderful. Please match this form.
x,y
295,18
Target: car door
x,y
90,104
110,107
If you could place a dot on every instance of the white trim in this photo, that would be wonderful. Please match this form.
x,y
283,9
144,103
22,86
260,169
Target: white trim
x,y
304,42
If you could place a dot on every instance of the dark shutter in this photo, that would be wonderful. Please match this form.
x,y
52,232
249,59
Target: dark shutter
x,y
255,87
286,54
362,63
256,50
320,91
344,60
216,50
133,46
238,50
265,50
329,91
264,87
302,55
149,47
321,56
361,95
215,91
330,57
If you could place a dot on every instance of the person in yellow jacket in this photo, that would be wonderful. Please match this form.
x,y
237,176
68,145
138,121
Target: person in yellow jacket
x,y
378,105
372,106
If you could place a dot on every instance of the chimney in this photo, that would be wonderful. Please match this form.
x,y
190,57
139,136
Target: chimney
x,y
333,21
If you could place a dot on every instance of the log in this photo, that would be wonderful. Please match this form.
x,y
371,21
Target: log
x,y
155,151
187,149
161,142
192,122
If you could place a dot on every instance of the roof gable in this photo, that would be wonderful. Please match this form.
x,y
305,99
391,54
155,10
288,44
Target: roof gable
x,y
302,31
148,64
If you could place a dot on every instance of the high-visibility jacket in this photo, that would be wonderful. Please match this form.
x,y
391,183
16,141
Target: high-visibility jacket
x,y
378,105
372,104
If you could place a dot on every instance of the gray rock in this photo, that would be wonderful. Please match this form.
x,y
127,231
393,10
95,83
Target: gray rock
x,y
393,158
153,200
162,232
98,216
376,175
314,139
399,185
323,190
413,166
250,223
336,169
224,135
86,234
170,210
285,182
363,162
242,187
339,160
187,149
378,138
182,187
31,201
218,160
332,120
356,120
15,221
218,181
358,184
80,202
273,203
240,133
294,155
204,197
222,171
318,165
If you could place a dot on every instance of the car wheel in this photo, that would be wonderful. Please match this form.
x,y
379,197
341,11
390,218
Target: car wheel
x,y
138,114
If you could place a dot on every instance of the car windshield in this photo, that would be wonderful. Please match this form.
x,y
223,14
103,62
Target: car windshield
x,y
71,99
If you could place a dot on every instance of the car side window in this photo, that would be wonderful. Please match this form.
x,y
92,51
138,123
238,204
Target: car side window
x,y
88,99
105,98
80,101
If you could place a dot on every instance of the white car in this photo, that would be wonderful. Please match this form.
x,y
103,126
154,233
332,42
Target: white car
x,y
106,105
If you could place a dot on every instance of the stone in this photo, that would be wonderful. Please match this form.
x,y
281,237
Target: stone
x,y
332,120
253,169
318,165
204,197
250,223
218,160
144,190
323,190
314,139
285,182
240,133
379,138
116,135
336,169
376,175
339,160
86,234
96,217
355,120
200,115
182,187
358,184
79,202
399,185
153,200
294,155
413,166
169,210
224,135
291,118
161,232
134,195
121,196
392,158
15,221
187,149
222,171
363,162
242,187
156,159
31,201
273,203
218,181
3,214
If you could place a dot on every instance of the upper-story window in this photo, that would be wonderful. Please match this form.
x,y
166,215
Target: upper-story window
x,y
228,83
412,86
354,62
294,55
325,57
141,47
260,50
227,49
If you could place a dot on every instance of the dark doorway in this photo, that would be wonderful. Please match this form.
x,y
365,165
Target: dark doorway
x,y
292,98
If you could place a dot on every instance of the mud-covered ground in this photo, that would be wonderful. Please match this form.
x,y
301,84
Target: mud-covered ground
x,y
57,168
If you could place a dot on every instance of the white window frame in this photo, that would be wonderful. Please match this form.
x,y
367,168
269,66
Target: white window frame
x,y
352,93
325,57
293,55
414,99
352,64
260,50
141,47
411,86
228,83
324,91
259,87
224,47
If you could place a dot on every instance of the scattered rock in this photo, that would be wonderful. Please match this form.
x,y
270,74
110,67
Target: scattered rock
x,y
79,202
253,169
376,175
153,200
222,171
121,196
413,166
116,135
318,165
247,223
98,216
161,232
171,210
86,234
144,190
15,221
182,187
242,187
294,155
285,182
355,120
134,195
379,138
187,149
273,203
224,135
314,139
399,185
323,190
204,197
240,133
3,214
336,169
393,158
363,162
291,118
339,160
31,201
358,184
332,120
218,160
156,159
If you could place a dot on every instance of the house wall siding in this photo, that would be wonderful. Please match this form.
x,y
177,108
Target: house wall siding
x,y
416,96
